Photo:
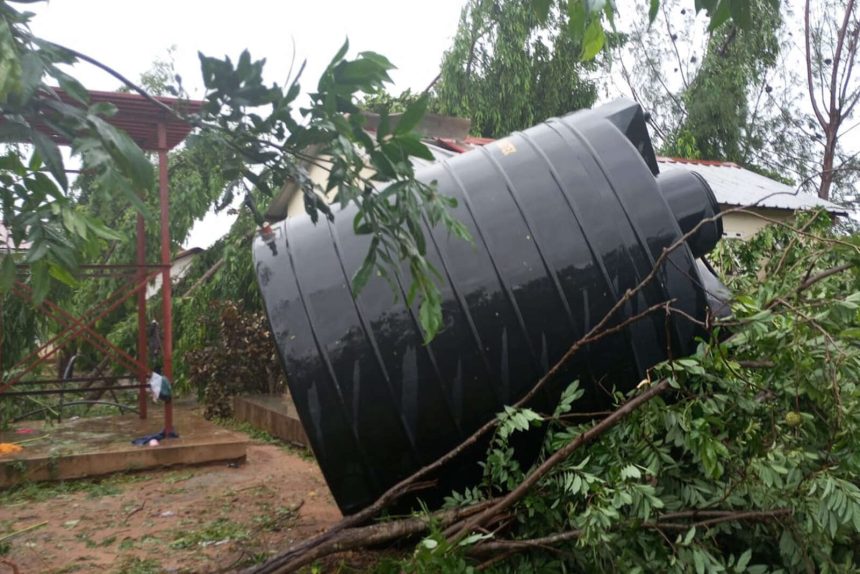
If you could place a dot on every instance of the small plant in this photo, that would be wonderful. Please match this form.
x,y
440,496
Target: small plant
x,y
240,359
219,530
135,565
277,520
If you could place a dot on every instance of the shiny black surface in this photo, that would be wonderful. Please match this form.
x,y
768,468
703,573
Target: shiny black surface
x,y
566,216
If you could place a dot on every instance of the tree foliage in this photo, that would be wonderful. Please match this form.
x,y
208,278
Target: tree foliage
x,y
510,68
240,357
35,197
718,115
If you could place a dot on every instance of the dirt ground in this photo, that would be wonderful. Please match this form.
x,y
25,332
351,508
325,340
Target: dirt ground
x,y
190,519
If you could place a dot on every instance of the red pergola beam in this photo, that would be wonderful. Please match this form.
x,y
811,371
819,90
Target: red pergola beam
x,y
153,128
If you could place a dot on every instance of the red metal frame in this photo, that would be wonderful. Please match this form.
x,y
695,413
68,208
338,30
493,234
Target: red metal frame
x,y
74,327
166,287
153,129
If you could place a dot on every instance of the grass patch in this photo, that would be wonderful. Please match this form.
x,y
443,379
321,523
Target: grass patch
x,y
90,543
41,491
277,520
135,565
264,437
219,530
178,476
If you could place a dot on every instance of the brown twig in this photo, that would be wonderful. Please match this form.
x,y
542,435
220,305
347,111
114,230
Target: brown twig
x,y
712,518
133,512
824,275
756,364
375,534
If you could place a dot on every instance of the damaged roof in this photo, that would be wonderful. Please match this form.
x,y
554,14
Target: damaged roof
x,y
736,186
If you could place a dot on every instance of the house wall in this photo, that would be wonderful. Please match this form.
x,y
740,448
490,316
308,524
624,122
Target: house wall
x,y
743,225
177,271
319,175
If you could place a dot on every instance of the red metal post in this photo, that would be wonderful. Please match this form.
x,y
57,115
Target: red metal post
x,y
141,315
166,295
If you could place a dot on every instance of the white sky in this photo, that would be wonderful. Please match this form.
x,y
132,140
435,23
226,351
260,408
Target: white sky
x,y
128,36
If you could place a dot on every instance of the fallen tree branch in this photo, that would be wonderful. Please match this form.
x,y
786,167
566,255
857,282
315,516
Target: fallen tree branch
x,y
824,275
756,364
380,533
492,547
583,439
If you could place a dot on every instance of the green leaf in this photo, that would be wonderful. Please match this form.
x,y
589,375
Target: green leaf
x,y
691,533
593,40
473,538
577,18
62,274
412,116
50,153
359,280
630,471
742,13
414,147
744,559
37,251
32,70
10,64
7,273
40,280
699,562
653,10
126,153
103,231
541,9
339,55
430,317
720,14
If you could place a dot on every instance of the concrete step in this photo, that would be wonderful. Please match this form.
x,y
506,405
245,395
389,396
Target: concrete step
x,y
275,414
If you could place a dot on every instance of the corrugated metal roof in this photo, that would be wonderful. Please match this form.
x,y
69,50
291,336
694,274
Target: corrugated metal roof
x,y
736,186
139,117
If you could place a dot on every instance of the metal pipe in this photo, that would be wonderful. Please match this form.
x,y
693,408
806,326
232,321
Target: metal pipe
x,y
141,315
61,391
74,380
121,407
166,287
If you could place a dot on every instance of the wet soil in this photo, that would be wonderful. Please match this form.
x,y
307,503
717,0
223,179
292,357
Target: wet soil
x,y
210,518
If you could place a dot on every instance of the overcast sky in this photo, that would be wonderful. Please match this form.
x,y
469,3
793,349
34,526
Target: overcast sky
x,y
130,36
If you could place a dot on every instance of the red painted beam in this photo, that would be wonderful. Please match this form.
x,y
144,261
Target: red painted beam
x,y
141,315
166,287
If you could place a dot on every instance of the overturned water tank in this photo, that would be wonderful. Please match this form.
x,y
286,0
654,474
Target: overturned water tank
x,y
566,217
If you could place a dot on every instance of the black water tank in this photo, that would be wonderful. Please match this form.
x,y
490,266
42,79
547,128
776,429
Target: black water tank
x,y
566,216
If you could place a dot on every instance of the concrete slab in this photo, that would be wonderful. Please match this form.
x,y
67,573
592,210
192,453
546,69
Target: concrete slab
x,y
87,447
275,414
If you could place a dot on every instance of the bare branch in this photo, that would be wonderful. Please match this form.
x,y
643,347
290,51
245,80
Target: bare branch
x,y
807,33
